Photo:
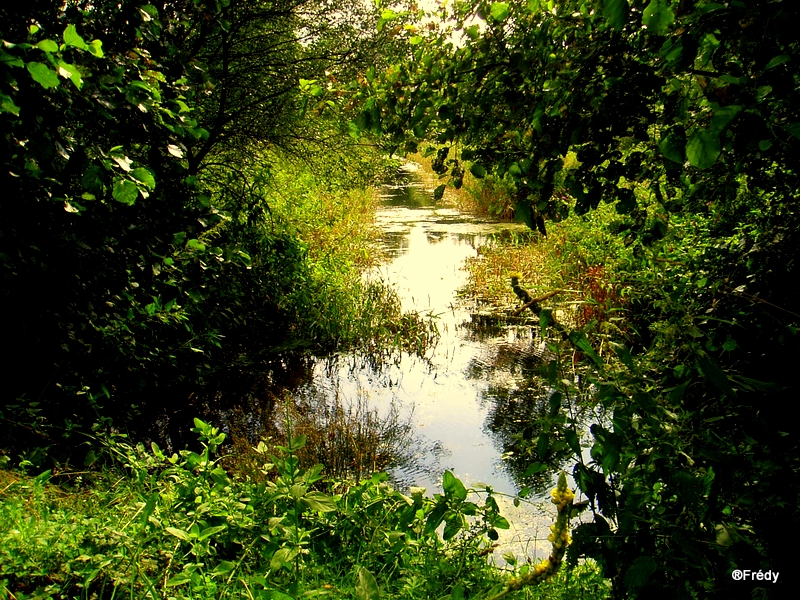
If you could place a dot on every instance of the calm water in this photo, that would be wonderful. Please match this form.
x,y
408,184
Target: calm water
x,y
473,391
465,401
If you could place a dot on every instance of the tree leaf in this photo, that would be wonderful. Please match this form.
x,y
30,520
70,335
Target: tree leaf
x,y
145,176
534,468
96,48
124,162
125,191
7,105
778,60
703,148
672,146
499,11
657,17
580,341
500,522
367,588
70,72
43,75
178,533
542,446
793,129
195,244
453,525
281,558
627,201
453,488
722,116
297,443
573,441
615,12
713,373
149,506
47,46
10,60
179,579
624,355
438,193
436,515
545,318
223,568
320,502
71,38
478,171
639,572
209,531
175,151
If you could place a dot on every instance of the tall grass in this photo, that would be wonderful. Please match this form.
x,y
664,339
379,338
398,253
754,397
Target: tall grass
x,y
351,438
488,197
578,257
336,307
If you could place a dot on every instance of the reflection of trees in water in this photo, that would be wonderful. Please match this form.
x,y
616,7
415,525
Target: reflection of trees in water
x,y
490,328
169,417
517,417
348,436
435,237
395,243
522,406
412,195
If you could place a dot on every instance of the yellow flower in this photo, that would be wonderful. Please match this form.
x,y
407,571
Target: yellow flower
x,y
542,566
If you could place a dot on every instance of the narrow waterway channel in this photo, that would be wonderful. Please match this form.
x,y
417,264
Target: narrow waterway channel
x,y
462,400
444,395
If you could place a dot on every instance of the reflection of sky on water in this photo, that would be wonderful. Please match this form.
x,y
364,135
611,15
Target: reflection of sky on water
x,y
426,248
470,394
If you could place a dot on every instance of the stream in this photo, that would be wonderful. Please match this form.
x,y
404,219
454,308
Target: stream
x,y
446,394
465,399
459,407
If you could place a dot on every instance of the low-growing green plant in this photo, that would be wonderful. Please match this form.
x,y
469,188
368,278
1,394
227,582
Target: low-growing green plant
x,y
157,526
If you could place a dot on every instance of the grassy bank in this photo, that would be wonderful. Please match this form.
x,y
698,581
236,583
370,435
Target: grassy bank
x,y
334,221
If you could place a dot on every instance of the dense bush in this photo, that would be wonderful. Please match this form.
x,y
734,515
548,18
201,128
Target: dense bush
x,y
159,201
683,117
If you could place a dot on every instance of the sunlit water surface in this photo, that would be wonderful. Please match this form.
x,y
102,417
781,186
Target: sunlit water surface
x,y
459,420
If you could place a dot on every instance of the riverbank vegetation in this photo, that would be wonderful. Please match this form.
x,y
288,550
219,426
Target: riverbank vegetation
x,y
156,526
184,203
652,145
175,210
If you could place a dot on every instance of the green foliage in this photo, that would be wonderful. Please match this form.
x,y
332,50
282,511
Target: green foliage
x,y
692,78
682,116
179,526
139,252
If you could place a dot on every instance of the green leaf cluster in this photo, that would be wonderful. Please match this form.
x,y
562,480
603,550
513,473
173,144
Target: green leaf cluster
x,y
179,524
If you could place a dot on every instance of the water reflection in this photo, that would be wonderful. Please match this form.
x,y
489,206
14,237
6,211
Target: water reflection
x,y
406,189
469,405
460,407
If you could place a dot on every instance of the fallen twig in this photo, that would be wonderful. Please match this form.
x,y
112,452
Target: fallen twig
x,y
531,303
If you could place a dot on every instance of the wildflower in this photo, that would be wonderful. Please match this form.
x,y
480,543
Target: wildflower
x,y
559,537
